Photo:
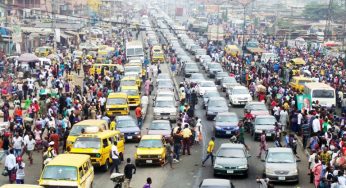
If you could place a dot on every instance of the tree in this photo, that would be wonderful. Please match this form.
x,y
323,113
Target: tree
x,y
316,12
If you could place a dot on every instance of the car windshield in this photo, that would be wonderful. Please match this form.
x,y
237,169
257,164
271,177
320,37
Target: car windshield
x,y
165,84
191,66
128,82
240,91
197,76
217,103
221,74
214,66
130,92
212,94
115,101
165,103
302,82
86,142
207,84
159,126
133,69
231,153
229,80
126,123
60,173
227,118
258,107
77,129
150,143
163,76
280,157
265,121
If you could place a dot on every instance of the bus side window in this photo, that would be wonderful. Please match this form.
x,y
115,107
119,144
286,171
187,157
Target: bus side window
x,y
105,143
81,172
86,167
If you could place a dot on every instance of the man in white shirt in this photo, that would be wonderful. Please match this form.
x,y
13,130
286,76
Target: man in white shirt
x,y
20,174
299,119
316,125
10,164
30,146
102,101
115,158
17,144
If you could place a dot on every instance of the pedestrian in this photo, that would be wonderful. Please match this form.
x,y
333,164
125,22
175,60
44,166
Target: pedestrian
x,y
129,170
10,165
169,154
210,151
186,139
29,146
317,170
17,143
283,119
263,144
147,87
177,138
198,131
20,174
55,138
138,113
148,184
115,158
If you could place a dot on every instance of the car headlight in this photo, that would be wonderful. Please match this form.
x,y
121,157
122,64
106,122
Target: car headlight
x,y
269,171
218,128
159,156
107,109
258,130
242,167
138,156
294,172
136,132
122,133
217,166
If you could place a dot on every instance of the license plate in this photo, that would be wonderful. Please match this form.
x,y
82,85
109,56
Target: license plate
x,y
228,132
268,134
230,171
129,137
282,178
164,117
149,161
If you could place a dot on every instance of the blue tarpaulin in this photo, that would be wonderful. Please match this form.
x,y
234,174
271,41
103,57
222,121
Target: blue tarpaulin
x,y
4,31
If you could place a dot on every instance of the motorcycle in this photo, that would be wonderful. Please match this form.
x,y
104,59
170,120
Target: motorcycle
x,y
118,179
247,124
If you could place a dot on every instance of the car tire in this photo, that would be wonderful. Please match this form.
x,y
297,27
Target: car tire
x,y
105,167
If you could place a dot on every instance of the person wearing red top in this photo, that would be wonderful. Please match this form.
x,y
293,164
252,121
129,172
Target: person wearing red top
x,y
37,108
138,113
18,112
55,138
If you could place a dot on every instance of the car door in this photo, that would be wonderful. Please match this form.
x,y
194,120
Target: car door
x,y
106,148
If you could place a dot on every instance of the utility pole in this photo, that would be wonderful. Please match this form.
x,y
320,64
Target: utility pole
x,y
328,21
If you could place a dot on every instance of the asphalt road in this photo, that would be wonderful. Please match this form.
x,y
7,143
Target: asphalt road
x,y
188,172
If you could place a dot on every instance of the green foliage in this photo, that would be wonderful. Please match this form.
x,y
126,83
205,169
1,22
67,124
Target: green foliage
x,y
317,12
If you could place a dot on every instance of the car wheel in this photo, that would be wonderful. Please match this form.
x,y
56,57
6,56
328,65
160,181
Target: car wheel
x,y
106,166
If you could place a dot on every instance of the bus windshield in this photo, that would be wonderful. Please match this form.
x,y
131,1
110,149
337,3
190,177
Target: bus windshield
x,y
320,93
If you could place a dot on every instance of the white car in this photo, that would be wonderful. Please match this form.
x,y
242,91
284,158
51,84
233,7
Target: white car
x,y
165,108
205,86
239,95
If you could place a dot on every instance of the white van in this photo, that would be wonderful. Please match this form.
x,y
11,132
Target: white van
x,y
323,93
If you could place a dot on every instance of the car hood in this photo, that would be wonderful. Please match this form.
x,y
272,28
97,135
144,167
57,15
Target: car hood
x,y
226,124
281,166
159,132
241,95
230,162
128,129
259,112
164,109
265,127
150,151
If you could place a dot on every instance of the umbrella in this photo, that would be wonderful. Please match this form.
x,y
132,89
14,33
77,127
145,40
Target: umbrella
x,y
27,57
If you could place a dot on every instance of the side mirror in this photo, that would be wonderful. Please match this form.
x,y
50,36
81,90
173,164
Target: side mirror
x,y
298,159
136,146
263,160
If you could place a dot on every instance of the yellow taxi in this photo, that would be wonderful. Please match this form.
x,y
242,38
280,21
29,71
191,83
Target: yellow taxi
x,y
111,67
295,65
76,129
134,69
130,81
157,54
99,145
151,150
133,95
134,75
43,51
68,170
137,62
298,82
117,103
232,50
